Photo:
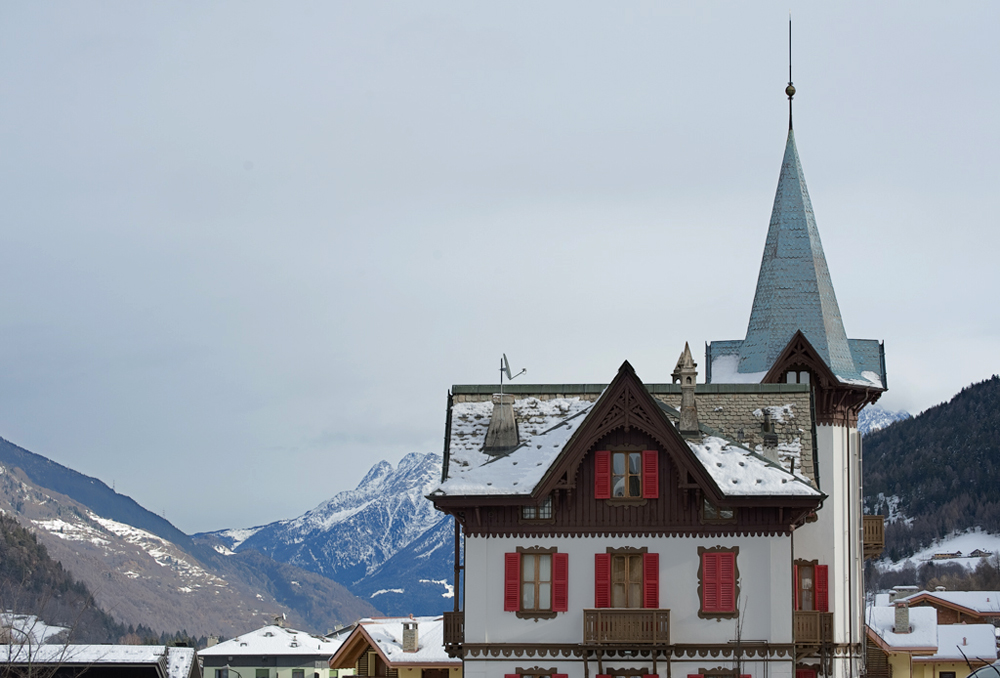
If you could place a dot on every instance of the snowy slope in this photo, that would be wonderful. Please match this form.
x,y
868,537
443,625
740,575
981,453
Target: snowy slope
x,y
349,537
874,418
957,542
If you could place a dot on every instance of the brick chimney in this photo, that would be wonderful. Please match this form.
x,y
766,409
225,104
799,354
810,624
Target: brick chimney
x,y
502,434
902,617
410,637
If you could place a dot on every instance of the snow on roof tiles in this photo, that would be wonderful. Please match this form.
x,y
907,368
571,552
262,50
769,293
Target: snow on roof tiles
x,y
923,622
984,602
388,634
975,641
275,641
736,470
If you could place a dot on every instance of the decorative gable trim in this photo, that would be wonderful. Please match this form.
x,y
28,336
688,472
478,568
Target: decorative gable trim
x,y
836,403
625,404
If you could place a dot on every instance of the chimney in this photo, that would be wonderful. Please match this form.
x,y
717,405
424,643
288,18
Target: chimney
x,y
687,374
410,636
770,437
902,617
502,434
212,641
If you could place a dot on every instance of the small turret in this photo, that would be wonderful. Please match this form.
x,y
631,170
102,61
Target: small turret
x,y
502,435
686,373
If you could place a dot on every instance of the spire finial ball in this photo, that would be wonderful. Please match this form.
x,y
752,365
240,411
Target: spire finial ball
x,y
790,90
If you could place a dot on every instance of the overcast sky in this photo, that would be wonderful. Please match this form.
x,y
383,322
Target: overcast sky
x,y
245,248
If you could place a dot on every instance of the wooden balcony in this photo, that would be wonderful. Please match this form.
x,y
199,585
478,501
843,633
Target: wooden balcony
x,y
619,626
812,627
874,536
454,628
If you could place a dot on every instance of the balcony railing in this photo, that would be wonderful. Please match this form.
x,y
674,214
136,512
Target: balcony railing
x,y
874,536
454,628
626,626
812,627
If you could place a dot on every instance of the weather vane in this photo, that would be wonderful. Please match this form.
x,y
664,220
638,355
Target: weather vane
x,y
790,90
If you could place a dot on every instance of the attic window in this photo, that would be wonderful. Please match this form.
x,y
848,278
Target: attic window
x,y
793,377
541,512
710,513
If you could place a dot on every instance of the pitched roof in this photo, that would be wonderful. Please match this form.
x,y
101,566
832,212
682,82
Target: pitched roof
x,y
794,293
173,662
385,636
983,603
274,641
735,470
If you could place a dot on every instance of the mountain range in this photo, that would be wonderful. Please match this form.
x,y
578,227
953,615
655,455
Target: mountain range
x,y
383,540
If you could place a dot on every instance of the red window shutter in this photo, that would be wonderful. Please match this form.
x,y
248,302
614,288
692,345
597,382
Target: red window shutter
x,y
822,588
696,675
727,582
602,474
651,580
511,582
560,675
650,675
744,675
560,582
650,475
805,673
603,675
511,675
602,580
795,586
710,582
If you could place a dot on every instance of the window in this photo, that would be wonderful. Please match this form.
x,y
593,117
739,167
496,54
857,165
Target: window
x,y
805,673
718,582
797,377
535,672
262,673
536,582
710,513
221,673
298,673
627,578
627,673
812,586
626,475
946,674
542,512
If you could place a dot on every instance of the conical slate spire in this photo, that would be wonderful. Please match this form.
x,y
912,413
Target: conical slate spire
x,y
794,290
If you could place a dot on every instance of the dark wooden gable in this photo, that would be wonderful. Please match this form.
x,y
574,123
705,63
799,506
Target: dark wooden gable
x,y
836,403
626,414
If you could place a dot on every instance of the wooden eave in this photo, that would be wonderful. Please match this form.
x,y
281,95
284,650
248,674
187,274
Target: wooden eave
x,y
353,647
799,351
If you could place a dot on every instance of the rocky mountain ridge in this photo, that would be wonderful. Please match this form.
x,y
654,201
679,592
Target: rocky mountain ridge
x,y
141,577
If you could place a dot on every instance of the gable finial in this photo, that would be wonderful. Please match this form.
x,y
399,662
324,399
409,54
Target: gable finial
x,y
790,90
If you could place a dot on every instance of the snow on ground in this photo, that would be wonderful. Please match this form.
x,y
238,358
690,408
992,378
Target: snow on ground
x,y
381,591
240,535
72,531
966,542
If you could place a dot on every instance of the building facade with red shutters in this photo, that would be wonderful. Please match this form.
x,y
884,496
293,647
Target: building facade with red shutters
x,y
681,529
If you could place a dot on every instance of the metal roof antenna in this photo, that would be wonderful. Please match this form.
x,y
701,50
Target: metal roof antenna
x,y
790,90
505,369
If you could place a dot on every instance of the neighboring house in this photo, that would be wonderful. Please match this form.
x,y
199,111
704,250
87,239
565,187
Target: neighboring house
x,y
908,642
101,661
676,529
26,628
959,607
397,647
271,652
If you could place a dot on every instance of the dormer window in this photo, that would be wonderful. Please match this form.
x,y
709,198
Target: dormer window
x,y
626,475
541,512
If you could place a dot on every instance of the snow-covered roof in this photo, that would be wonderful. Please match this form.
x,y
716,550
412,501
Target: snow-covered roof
x,y
28,628
274,641
974,641
736,470
923,625
983,602
387,634
175,661
519,471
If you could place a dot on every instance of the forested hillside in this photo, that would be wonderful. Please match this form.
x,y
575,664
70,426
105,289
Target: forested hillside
x,y
937,472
